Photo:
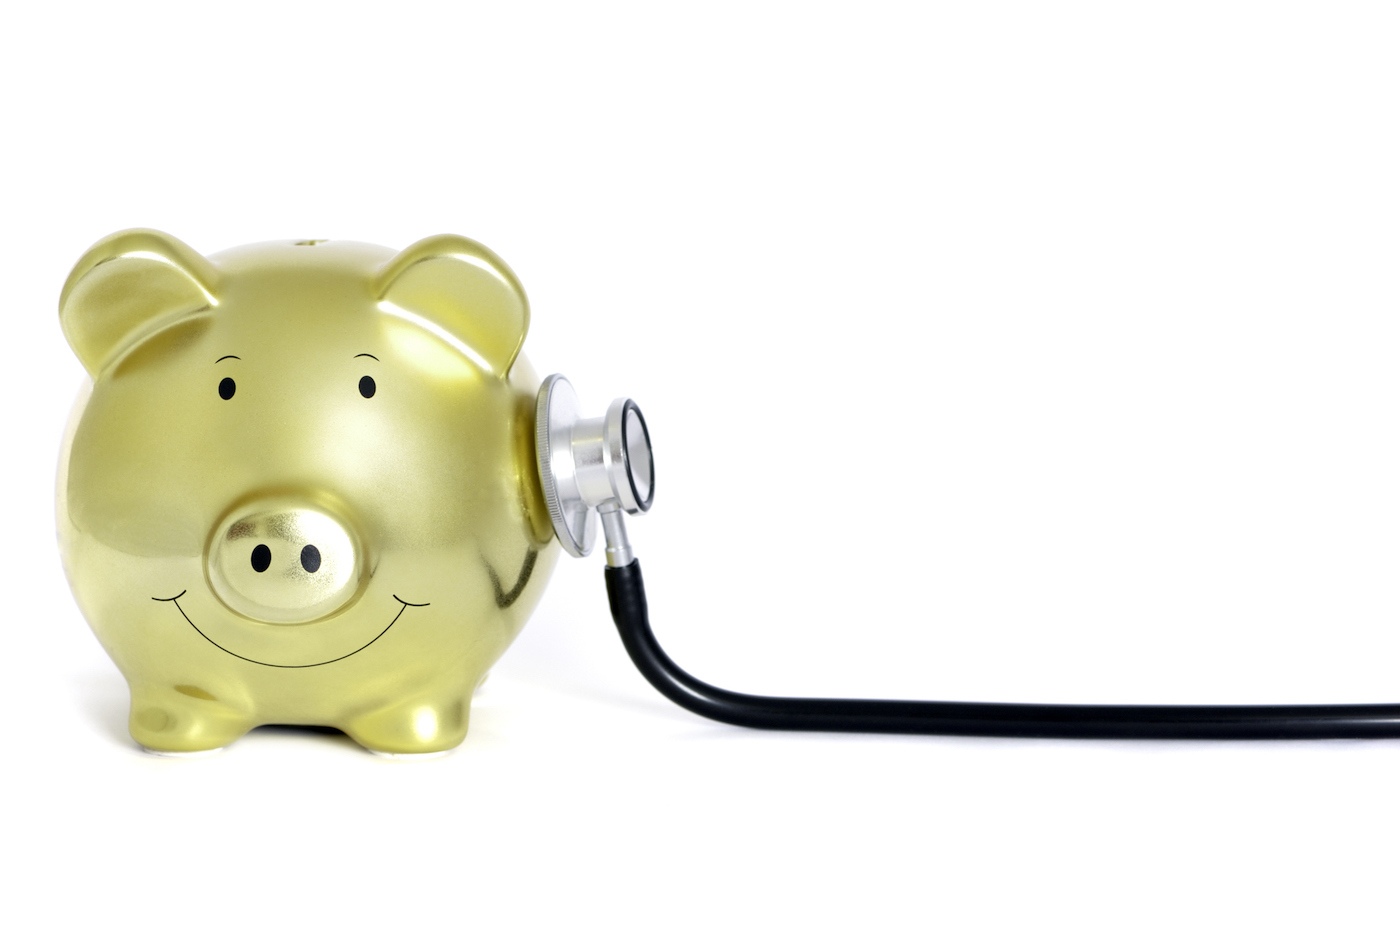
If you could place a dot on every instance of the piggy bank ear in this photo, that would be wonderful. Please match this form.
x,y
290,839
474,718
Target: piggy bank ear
x,y
462,291
127,287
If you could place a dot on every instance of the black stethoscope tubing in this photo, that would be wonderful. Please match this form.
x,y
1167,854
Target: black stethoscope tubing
x,y
627,597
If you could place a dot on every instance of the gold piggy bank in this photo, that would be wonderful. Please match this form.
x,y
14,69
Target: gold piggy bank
x,y
300,488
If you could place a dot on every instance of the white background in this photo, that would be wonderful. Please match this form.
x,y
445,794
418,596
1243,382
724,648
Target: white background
x,y
1039,352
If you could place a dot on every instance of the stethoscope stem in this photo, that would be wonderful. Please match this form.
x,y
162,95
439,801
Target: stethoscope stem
x,y
953,718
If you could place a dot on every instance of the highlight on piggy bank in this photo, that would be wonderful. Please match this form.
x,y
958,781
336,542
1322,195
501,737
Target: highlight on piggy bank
x,y
300,488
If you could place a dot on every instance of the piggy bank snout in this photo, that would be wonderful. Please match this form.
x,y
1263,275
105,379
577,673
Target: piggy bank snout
x,y
282,561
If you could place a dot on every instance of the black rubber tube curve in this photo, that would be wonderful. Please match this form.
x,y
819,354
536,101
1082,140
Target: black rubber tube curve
x,y
955,718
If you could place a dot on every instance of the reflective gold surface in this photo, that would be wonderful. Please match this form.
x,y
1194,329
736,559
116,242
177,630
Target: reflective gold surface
x,y
300,488
281,561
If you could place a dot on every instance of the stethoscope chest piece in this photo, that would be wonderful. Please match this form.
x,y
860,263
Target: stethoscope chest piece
x,y
603,463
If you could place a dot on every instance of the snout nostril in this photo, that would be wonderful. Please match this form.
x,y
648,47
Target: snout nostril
x,y
310,558
262,558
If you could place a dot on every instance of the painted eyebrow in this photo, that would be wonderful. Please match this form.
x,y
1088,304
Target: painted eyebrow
x,y
367,355
227,356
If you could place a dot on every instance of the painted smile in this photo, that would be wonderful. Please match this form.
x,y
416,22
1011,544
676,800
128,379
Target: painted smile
x,y
176,601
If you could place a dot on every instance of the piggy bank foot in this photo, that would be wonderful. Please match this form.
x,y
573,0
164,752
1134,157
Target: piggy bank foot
x,y
415,729
172,722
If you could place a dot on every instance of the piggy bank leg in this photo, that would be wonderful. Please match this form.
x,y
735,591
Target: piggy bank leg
x,y
428,724
183,718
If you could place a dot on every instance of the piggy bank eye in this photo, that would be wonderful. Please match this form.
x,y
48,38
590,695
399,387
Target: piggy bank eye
x,y
226,388
366,386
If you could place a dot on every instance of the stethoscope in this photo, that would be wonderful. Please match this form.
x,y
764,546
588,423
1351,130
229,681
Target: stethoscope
x,y
605,465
